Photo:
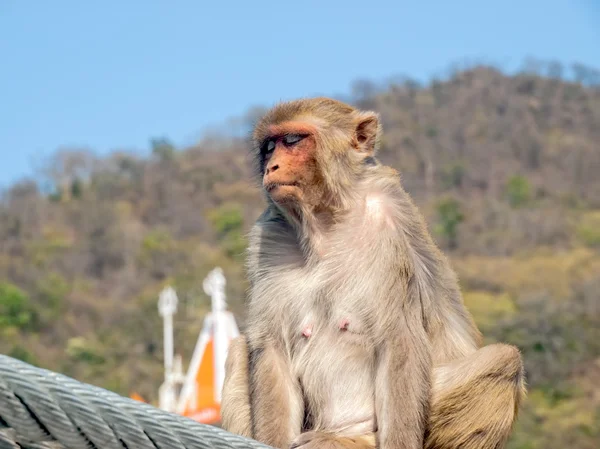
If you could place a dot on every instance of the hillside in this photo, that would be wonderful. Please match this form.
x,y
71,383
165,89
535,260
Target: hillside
x,y
505,168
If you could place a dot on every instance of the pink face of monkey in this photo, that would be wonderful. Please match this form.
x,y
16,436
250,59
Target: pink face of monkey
x,y
291,172
308,147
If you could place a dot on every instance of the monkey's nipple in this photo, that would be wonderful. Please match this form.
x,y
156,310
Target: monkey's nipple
x,y
307,331
344,324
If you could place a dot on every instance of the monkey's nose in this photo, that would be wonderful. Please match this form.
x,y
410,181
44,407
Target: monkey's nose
x,y
272,168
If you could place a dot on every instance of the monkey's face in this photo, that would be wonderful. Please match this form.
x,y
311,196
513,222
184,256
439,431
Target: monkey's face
x,y
312,150
291,174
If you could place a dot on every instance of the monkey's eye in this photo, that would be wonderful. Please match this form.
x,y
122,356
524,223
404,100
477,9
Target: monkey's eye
x,y
292,139
270,146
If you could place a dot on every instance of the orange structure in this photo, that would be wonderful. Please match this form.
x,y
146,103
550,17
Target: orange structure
x,y
136,397
197,395
201,405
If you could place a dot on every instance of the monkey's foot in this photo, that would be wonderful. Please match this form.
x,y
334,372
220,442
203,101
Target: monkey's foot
x,y
322,440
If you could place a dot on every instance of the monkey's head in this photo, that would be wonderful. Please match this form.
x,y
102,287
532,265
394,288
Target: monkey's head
x,y
310,152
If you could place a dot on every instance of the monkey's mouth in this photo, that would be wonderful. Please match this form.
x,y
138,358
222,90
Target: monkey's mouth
x,y
270,186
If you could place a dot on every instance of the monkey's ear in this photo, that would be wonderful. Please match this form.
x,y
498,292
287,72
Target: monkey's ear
x,y
368,130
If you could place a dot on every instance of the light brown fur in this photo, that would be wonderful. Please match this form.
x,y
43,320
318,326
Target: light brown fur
x,y
393,357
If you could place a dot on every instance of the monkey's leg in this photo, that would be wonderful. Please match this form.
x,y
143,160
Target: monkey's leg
x,y
276,402
475,400
235,397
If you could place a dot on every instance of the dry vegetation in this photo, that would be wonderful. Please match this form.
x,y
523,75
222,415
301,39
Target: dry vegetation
x,y
506,169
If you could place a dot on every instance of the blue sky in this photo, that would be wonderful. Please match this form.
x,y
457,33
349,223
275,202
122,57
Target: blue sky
x,y
112,74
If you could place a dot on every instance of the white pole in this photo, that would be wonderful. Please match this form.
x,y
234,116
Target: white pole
x,y
168,344
167,306
214,285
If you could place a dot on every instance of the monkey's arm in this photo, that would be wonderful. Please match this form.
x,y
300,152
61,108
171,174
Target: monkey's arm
x,y
235,398
403,384
275,397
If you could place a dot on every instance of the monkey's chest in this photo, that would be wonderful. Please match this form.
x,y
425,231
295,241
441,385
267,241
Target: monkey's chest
x,y
333,358
335,325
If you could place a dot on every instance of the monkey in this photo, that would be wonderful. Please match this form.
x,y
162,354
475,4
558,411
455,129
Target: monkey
x,y
357,336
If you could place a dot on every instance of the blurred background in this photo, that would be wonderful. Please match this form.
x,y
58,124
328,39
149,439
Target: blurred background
x,y
124,168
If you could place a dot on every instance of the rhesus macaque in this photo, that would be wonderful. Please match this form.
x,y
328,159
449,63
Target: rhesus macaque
x,y
357,335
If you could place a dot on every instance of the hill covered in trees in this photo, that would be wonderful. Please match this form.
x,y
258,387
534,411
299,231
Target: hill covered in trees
x,y
505,168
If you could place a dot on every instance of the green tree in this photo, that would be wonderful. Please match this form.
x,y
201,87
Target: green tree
x,y
76,188
449,216
518,191
81,350
51,293
453,175
228,222
163,149
227,218
15,308
19,352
